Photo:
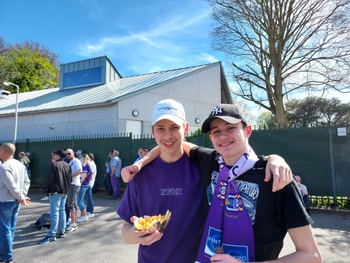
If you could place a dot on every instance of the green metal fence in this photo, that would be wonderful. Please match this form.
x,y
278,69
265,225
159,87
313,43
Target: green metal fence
x,y
319,155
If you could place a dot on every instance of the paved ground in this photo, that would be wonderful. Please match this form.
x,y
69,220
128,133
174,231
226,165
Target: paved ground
x,y
99,240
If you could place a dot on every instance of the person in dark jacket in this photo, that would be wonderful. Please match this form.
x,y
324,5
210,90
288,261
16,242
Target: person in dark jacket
x,y
58,183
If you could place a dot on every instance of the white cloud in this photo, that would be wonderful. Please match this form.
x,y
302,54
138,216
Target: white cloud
x,y
172,43
154,37
208,57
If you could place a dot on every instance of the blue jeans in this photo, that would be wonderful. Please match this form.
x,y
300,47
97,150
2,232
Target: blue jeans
x,y
81,197
108,184
57,214
89,201
8,221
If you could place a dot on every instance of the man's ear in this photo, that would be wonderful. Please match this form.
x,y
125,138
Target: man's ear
x,y
248,131
186,128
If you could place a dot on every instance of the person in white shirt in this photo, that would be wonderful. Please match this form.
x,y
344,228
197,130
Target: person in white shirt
x,y
74,189
14,186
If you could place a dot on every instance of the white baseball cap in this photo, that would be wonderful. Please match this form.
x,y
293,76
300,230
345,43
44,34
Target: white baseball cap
x,y
169,110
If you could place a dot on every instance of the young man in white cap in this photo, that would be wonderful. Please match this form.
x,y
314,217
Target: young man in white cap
x,y
170,182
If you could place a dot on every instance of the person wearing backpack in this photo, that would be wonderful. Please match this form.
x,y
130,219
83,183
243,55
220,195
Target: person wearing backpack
x,y
58,183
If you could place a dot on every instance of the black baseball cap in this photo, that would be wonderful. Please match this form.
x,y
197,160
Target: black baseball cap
x,y
226,112
60,153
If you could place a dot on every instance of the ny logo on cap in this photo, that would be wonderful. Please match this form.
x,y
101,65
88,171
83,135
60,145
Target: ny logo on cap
x,y
216,110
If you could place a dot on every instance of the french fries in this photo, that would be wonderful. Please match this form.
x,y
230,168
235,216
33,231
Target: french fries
x,y
153,223
147,222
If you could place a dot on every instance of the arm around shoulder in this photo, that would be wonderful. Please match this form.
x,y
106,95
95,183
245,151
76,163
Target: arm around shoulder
x,y
149,157
187,146
279,170
130,171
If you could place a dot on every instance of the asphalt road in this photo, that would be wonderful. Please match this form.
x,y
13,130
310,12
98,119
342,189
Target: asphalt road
x,y
99,240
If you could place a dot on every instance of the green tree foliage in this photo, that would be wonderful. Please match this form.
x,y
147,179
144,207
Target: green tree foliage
x,y
279,47
28,65
313,111
266,121
3,46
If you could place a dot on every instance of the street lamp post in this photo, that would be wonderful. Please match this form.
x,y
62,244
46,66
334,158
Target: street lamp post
x,y
6,83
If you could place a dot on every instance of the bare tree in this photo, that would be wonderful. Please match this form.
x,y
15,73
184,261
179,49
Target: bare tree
x,y
3,46
281,47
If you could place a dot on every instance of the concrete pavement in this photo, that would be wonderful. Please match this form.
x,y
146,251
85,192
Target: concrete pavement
x,y
99,239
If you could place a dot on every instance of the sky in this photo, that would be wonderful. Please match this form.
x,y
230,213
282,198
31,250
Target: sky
x,y
138,36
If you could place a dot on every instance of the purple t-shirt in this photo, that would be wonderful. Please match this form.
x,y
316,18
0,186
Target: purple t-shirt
x,y
87,170
159,187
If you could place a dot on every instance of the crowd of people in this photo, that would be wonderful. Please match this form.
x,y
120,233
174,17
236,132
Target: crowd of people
x,y
70,185
70,182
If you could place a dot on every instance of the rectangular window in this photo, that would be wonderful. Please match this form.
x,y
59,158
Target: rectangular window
x,y
82,77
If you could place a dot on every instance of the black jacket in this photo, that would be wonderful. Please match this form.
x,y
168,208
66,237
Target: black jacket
x,y
60,177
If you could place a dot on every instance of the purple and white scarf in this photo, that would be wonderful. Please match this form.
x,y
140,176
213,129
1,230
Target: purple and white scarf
x,y
228,228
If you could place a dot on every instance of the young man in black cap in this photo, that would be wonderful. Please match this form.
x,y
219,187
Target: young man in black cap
x,y
247,222
58,183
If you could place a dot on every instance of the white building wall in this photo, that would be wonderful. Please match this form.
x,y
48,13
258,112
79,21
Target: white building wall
x,y
198,92
98,120
210,84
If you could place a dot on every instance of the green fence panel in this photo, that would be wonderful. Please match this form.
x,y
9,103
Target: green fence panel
x,y
305,150
319,155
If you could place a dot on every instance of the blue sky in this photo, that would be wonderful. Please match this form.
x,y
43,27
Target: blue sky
x,y
138,36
